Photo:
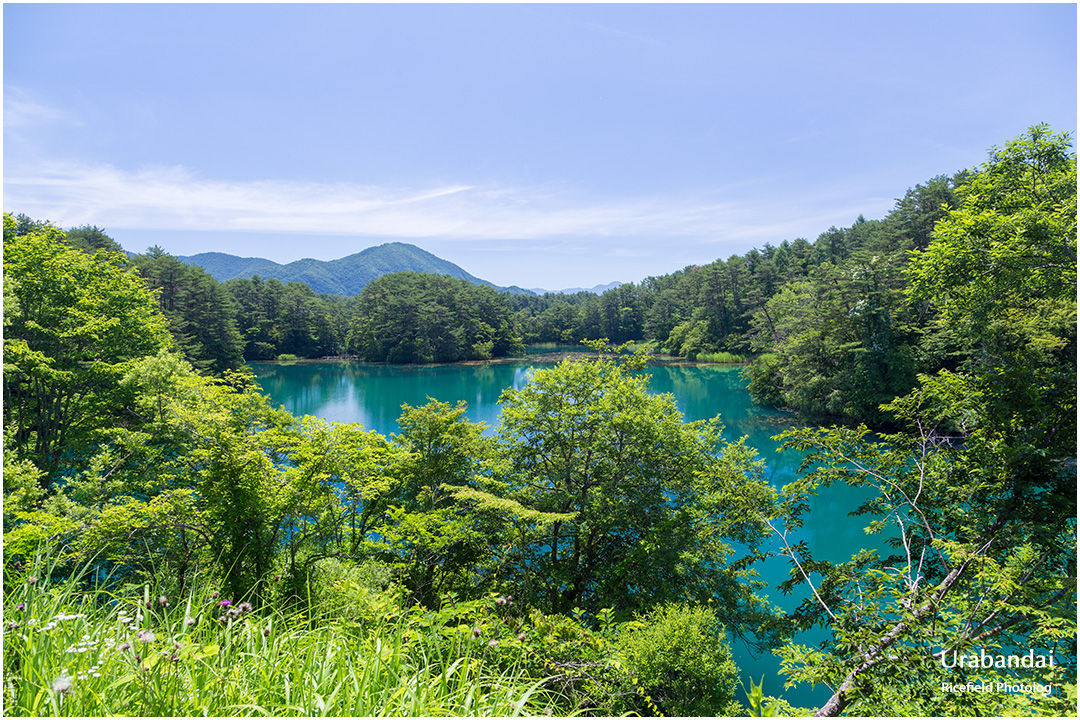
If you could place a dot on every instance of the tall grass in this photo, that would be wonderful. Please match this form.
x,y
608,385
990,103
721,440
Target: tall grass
x,y
93,652
719,357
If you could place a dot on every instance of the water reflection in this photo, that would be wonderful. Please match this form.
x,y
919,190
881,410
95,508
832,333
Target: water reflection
x,y
372,395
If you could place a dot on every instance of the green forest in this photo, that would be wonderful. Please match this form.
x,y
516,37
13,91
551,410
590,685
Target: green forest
x,y
174,545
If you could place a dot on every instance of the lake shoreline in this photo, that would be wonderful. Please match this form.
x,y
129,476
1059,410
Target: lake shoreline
x,y
543,357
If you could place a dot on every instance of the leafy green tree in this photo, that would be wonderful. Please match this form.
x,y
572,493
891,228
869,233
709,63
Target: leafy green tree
x,y
91,238
239,462
982,557
74,324
419,318
648,502
201,313
1001,270
438,540
976,494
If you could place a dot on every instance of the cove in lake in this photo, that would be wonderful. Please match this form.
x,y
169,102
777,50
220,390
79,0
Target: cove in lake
x,y
372,395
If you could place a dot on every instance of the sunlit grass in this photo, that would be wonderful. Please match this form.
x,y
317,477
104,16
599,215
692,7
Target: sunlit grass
x,y
93,653
720,357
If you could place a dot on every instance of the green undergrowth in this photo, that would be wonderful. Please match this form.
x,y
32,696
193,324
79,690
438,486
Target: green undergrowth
x,y
352,648
97,652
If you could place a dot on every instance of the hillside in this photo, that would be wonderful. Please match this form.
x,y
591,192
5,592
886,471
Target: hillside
x,y
345,276
595,289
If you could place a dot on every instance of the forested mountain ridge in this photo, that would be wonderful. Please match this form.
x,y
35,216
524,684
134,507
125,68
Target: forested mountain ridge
x,y
830,327
345,276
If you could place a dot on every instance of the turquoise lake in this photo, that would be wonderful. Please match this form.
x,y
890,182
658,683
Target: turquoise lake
x,y
372,395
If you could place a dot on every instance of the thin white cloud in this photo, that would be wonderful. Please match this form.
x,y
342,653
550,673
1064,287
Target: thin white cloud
x,y
174,198
22,111
624,34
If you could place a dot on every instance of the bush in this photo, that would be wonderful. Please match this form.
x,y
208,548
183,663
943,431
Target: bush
x,y
682,660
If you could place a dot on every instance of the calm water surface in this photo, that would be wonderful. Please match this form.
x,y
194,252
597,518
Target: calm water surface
x,y
372,395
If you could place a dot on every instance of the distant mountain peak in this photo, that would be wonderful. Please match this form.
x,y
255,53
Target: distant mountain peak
x,y
345,276
597,289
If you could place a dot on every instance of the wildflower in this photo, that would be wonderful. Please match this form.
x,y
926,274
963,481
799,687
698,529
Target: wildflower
x,y
20,607
163,601
214,596
266,632
191,622
500,601
146,636
521,636
61,685
149,604
477,632
13,626
493,643
244,608
33,581
224,603
125,646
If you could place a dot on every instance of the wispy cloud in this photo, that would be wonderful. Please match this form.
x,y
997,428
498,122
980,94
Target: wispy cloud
x,y
21,110
625,34
175,198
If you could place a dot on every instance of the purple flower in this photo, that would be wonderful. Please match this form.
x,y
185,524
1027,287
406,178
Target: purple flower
x,y
225,603
20,607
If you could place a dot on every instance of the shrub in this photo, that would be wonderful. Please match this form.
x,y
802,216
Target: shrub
x,y
682,660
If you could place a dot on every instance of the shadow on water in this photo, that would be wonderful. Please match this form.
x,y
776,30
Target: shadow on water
x,y
372,395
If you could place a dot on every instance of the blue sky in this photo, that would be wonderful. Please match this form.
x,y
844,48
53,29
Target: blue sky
x,y
536,145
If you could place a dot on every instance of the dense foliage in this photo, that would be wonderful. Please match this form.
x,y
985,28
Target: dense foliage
x,y
412,317
73,324
595,553
976,494
162,477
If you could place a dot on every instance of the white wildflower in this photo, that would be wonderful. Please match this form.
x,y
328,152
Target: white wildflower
x,y
61,685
